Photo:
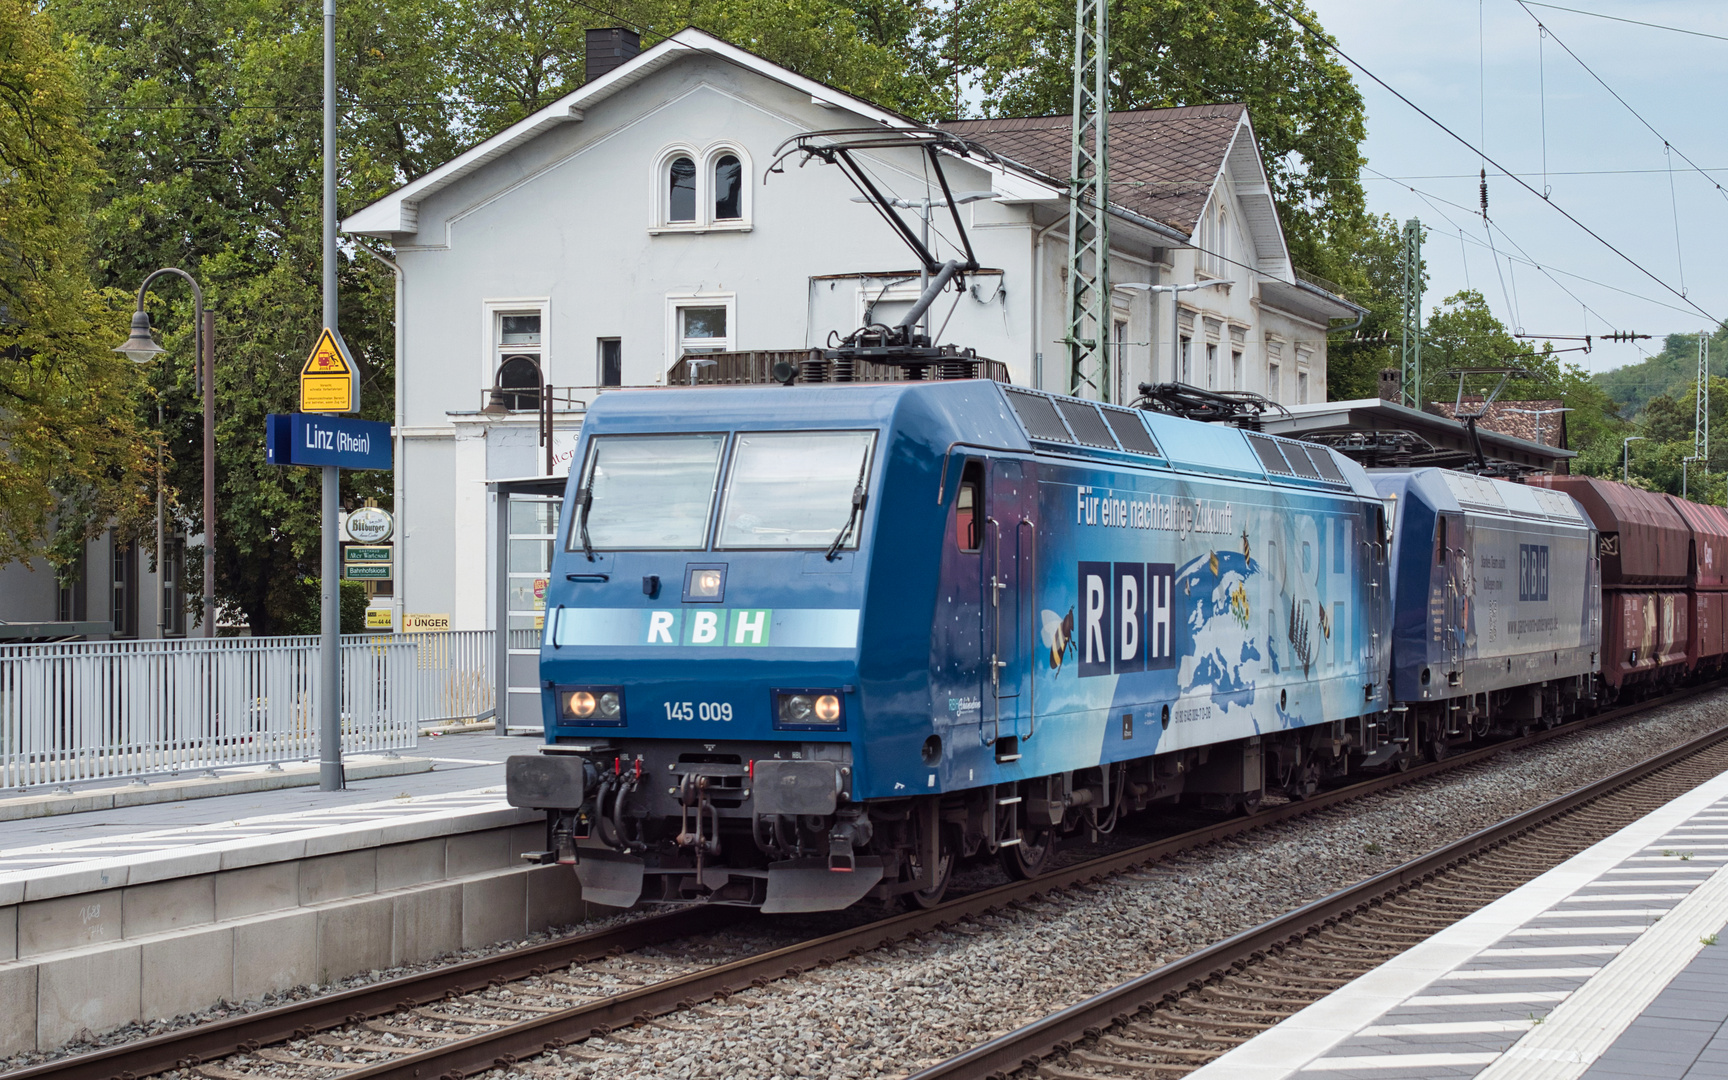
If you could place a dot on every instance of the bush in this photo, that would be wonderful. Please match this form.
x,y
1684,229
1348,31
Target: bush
x,y
304,618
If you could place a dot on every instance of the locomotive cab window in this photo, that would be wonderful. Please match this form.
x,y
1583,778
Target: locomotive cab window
x,y
646,492
796,489
969,509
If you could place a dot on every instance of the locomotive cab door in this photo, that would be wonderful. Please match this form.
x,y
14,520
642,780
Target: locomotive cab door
x,y
1008,567
1452,557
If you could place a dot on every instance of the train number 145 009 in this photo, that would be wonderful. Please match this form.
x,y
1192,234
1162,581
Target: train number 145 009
x,y
699,710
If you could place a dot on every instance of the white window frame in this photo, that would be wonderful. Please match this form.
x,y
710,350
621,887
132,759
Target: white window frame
x,y
492,335
678,300
1304,377
659,218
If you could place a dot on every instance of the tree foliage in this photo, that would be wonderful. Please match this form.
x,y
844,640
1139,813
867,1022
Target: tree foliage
x,y
1666,372
72,457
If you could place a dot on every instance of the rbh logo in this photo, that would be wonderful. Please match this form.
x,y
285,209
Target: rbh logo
x,y
1533,572
1126,620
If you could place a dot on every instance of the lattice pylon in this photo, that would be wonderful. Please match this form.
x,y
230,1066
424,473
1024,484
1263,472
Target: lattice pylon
x,y
1701,415
1410,373
1088,200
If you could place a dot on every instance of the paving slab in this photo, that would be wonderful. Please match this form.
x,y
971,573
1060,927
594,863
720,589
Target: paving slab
x,y
1610,951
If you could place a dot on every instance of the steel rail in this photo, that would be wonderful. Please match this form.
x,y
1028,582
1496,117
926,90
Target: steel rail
x,y
204,1043
1060,1031
208,1042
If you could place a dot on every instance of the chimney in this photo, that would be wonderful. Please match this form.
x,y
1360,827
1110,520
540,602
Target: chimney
x,y
1391,384
609,48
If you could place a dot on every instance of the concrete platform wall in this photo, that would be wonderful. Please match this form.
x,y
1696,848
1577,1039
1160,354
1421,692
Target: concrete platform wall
x,y
95,961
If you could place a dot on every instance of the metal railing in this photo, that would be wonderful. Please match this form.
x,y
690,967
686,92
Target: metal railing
x,y
756,367
90,710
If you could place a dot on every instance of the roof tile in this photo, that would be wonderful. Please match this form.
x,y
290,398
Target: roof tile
x,y
1162,161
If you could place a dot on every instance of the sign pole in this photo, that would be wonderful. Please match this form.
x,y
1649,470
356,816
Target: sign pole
x,y
330,776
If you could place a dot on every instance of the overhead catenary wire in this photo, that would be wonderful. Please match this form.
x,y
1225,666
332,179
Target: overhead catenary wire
x,y
1666,143
1435,202
1634,22
1431,118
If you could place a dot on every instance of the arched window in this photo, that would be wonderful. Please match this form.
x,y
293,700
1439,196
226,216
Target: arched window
x,y
681,190
519,383
728,188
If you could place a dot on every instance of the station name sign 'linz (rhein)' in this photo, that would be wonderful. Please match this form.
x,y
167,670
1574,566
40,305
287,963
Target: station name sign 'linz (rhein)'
x,y
307,439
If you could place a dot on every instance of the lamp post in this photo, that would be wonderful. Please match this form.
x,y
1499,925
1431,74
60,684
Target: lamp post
x,y
142,348
1626,457
1175,315
1539,414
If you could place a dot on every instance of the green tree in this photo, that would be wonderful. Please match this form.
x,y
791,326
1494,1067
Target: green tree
x,y
207,119
72,457
1365,259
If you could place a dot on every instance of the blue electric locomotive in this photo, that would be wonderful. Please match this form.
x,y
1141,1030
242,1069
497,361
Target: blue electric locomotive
x,y
807,644
1497,601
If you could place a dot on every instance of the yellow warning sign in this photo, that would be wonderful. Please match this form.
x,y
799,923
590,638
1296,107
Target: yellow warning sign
x,y
328,382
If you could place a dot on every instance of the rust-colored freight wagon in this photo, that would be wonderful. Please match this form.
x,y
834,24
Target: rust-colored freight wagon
x,y
1707,580
1646,551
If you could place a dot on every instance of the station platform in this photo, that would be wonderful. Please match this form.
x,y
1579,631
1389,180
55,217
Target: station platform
x,y
1610,966
118,916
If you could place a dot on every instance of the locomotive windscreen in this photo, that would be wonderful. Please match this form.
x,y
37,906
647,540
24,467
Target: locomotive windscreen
x,y
793,489
648,491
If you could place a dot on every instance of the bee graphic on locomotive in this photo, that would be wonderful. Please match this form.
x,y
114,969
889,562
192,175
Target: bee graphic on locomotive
x,y
791,665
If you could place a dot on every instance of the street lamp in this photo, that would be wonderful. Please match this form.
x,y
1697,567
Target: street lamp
x,y
1626,457
1175,315
1539,414
142,348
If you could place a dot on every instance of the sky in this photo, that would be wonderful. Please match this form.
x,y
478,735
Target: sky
x,y
1484,69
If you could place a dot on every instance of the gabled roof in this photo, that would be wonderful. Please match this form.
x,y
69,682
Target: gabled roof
x,y
1533,421
1163,162
397,212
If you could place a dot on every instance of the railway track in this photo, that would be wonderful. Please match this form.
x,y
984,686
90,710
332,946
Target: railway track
x,y
1172,1021
478,1015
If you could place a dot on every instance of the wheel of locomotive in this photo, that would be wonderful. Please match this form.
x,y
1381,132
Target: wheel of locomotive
x,y
1031,856
1438,750
922,899
1250,804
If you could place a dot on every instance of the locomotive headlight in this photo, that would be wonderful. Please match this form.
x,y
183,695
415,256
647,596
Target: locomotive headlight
x,y
808,709
591,705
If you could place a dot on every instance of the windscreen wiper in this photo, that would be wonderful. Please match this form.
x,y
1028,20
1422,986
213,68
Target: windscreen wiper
x,y
584,500
858,500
